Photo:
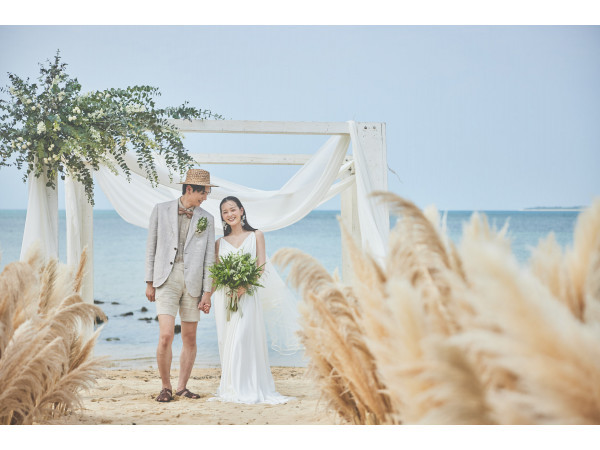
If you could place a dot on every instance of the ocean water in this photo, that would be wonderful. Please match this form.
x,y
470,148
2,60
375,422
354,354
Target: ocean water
x,y
119,253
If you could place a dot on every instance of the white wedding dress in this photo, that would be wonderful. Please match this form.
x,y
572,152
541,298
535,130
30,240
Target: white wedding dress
x,y
245,370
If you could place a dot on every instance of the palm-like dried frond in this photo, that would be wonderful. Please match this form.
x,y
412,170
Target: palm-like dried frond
x,y
80,271
572,276
419,254
546,263
321,370
554,357
19,291
465,335
457,394
48,281
578,260
592,288
44,358
330,316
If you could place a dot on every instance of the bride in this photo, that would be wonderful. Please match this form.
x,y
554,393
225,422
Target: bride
x,y
245,370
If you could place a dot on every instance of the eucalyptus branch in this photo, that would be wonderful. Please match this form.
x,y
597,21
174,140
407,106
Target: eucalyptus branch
x,y
51,128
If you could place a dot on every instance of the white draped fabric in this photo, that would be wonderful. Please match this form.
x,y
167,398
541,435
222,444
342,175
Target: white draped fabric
x,y
312,185
41,223
74,196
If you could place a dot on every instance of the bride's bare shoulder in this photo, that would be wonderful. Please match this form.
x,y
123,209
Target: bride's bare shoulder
x,y
260,238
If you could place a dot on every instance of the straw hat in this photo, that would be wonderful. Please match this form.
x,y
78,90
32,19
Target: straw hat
x,y
198,177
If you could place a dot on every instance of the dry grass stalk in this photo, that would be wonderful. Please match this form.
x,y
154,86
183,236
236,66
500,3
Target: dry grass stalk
x,y
572,275
586,241
340,360
406,333
77,283
44,361
419,254
461,335
592,288
526,331
546,262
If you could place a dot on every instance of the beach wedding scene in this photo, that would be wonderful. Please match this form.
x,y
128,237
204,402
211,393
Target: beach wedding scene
x,y
299,225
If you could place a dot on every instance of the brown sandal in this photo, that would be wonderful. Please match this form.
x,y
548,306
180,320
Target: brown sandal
x,y
166,395
187,394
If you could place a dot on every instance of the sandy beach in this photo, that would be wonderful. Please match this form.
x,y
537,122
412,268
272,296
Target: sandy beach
x,y
126,397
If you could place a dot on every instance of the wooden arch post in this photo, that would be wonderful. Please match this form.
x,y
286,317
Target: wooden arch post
x,y
371,136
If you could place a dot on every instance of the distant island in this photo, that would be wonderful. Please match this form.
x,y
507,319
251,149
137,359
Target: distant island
x,y
555,208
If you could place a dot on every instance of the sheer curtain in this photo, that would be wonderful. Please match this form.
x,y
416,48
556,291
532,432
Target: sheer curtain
x,y
41,222
267,210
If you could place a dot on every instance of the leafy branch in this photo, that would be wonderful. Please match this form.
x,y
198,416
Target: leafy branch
x,y
51,128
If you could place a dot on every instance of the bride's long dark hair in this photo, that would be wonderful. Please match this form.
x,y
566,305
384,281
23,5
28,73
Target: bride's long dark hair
x,y
226,227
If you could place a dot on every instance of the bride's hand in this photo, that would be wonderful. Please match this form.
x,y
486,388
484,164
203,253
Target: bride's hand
x,y
204,304
241,291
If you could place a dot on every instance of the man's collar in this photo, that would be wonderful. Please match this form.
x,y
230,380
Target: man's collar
x,y
183,207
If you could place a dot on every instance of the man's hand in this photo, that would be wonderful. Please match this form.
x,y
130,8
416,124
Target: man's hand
x,y
204,304
150,291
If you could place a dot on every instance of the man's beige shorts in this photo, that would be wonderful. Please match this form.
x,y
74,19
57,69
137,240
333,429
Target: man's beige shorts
x,y
172,296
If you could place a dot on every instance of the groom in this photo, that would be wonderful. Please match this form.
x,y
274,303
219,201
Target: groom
x,y
179,252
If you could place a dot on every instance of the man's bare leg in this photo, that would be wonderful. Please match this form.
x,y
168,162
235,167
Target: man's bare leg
x,y
164,352
188,353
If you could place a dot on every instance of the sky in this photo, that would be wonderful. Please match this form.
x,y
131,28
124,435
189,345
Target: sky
x,y
477,117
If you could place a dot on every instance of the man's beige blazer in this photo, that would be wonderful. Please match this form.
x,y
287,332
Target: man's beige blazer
x,y
161,247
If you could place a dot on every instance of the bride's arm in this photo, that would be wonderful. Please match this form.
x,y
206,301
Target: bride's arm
x,y
261,254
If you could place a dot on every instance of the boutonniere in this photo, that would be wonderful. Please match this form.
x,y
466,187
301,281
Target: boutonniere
x,y
201,225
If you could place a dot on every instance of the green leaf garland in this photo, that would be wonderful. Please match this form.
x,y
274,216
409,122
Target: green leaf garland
x,y
52,128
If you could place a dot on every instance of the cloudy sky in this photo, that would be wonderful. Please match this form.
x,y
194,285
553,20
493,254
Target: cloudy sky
x,y
478,117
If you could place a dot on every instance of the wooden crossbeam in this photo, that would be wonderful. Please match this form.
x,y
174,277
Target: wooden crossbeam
x,y
260,127
255,159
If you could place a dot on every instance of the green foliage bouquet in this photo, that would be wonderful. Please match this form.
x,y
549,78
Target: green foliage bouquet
x,y
51,128
234,271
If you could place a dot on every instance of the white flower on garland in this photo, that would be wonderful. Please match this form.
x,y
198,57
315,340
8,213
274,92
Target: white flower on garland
x,y
95,134
97,114
135,108
41,128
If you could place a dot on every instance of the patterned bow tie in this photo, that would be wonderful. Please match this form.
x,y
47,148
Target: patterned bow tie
x,y
186,212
